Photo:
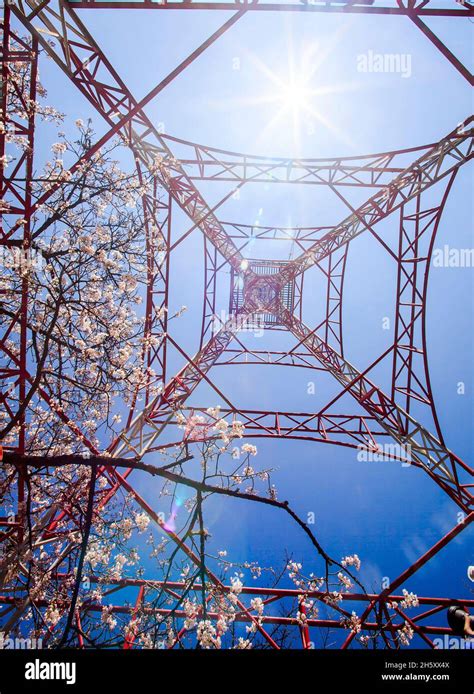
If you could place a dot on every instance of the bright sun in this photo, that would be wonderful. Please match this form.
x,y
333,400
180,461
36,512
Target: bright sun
x,y
295,96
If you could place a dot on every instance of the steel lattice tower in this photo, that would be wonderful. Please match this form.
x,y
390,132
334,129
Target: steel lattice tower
x,y
265,290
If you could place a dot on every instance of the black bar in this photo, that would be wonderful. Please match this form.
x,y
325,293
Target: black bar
x,y
179,670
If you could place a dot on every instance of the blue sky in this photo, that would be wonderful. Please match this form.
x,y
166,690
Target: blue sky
x,y
387,514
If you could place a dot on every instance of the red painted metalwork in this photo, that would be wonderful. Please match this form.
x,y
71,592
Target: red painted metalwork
x,y
270,290
204,163
16,187
414,11
353,431
422,8
431,605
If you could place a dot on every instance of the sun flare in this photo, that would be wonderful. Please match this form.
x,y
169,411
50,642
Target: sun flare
x,y
295,96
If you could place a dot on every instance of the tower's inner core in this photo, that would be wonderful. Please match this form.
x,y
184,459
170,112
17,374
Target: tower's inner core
x,y
261,288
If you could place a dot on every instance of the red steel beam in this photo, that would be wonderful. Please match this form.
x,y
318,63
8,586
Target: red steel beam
x,y
342,7
442,48
421,561
244,615
266,591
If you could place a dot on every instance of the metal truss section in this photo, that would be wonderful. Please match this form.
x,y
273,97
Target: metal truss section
x,y
423,447
209,318
273,598
70,45
293,357
418,11
263,292
15,229
147,426
419,8
439,161
251,233
289,294
157,217
211,164
335,265
353,431
418,228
